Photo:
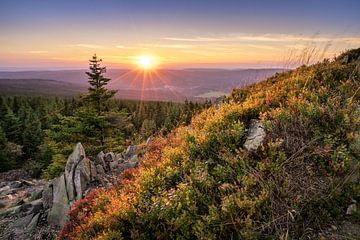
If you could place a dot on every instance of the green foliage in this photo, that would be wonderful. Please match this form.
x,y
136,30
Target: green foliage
x,y
98,95
200,183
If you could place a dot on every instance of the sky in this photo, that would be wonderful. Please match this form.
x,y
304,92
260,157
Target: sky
x,y
53,34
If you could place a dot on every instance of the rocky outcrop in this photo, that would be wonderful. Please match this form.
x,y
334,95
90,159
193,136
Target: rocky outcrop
x,y
60,202
255,136
37,206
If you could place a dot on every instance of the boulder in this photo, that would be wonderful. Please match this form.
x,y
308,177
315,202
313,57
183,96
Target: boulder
x,y
351,209
73,161
33,223
60,206
134,159
114,166
2,204
119,157
130,151
100,159
110,156
36,194
127,165
47,196
255,136
36,206
22,222
82,178
15,184
5,190
93,172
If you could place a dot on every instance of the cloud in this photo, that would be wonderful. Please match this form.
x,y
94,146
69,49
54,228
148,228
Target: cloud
x,y
120,46
265,47
89,46
38,51
196,39
271,38
180,46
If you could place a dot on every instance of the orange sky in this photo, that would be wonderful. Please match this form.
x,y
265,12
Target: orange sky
x,y
230,34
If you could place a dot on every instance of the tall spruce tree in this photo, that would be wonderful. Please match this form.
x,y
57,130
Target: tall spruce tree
x,y
98,95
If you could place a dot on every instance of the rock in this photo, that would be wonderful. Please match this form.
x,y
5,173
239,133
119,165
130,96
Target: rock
x,y
110,156
256,135
5,190
119,157
127,165
14,175
100,159
100,174
36,195
82,178
2,204
113,166
93,172
130,151
36,206
134,159
26,207
60,206
33,223
18,202
27,183
22,222
47,196
16,184
73,161
100,171
351,209
10,211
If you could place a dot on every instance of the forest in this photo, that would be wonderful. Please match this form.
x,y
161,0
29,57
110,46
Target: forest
x,y
38,133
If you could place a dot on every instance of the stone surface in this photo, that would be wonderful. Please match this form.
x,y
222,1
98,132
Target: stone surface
x,y
130,151
110,156
60,207
93,172
82,178
351,209
255,136
100,159
38,208
114,166
22,222
74,159
33,223
47,196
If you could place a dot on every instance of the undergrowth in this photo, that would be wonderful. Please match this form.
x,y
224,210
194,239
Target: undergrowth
x,y
200,183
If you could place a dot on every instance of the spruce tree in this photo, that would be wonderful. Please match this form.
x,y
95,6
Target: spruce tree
x,y
98,95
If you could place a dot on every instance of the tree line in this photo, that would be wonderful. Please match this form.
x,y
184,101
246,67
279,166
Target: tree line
x,y
38,133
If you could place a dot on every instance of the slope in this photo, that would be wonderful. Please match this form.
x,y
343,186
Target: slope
x,y
200,182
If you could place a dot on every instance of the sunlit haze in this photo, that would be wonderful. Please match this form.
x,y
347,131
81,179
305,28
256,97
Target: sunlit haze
x,y
173,34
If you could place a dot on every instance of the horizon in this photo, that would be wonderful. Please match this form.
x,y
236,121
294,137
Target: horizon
x,y
174,35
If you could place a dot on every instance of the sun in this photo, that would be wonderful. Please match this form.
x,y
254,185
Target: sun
x,y
145,62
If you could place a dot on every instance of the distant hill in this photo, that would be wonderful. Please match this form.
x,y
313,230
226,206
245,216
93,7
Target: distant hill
x,y
175,85
39,87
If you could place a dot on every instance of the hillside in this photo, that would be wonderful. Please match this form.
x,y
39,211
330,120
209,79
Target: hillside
x,y
294,174
161,84
39,87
